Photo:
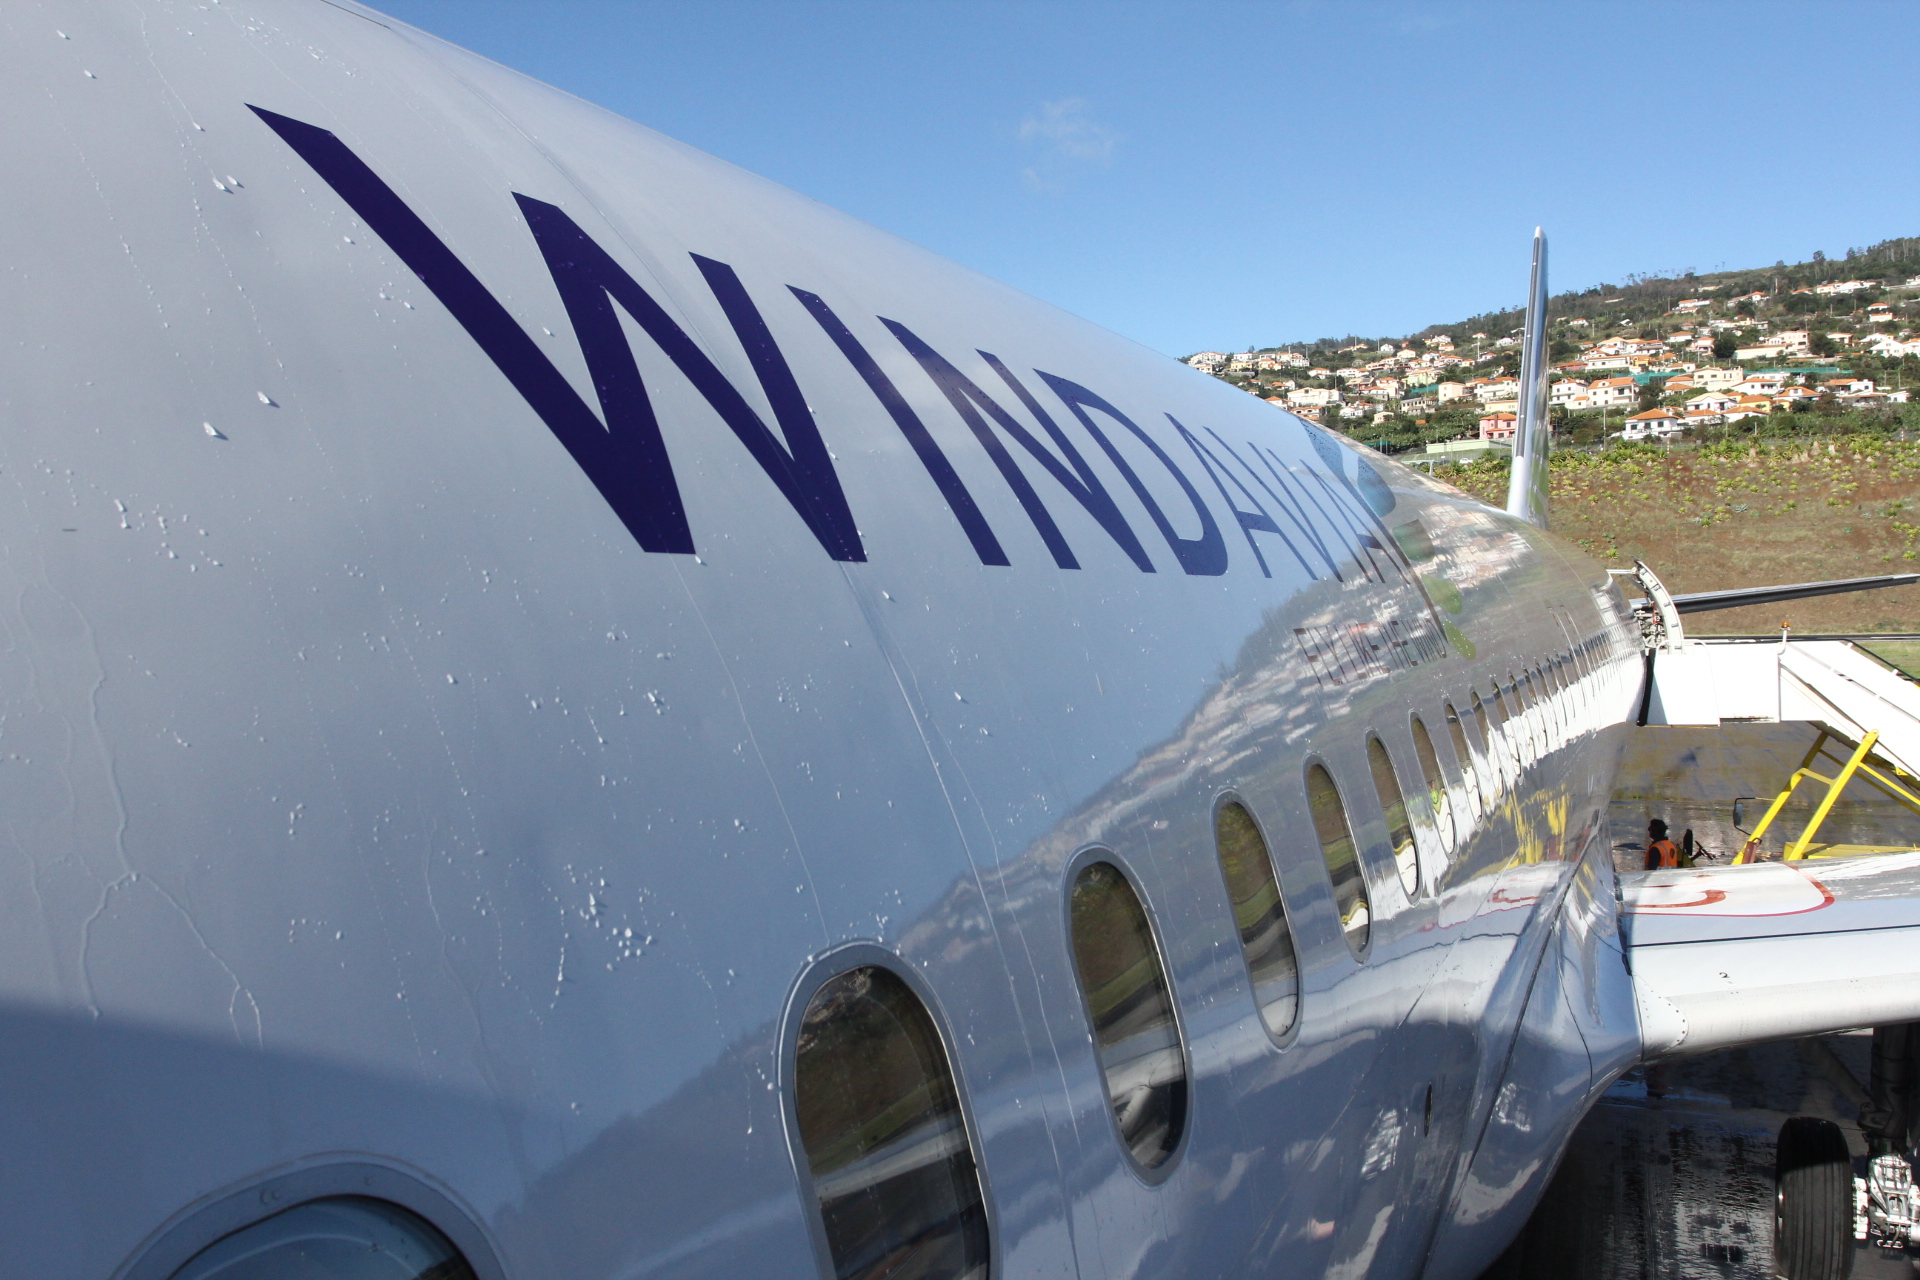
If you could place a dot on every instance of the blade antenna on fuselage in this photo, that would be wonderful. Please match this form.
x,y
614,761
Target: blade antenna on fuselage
x,y
1527,485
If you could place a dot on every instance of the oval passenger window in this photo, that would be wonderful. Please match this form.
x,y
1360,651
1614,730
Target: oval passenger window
x,y
1406,858
1260,915
886,1141
1342,858
348,1238
1132,1013
1509,735
1474,789
1438,804
1493,751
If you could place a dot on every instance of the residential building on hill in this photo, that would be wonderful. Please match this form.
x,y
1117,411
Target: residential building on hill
x,y
1614,393
1565,390
1710,402
1654,422
1712,378
1759,384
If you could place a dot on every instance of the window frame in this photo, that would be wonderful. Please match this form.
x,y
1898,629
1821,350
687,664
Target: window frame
x,y
1422,878
1285,1038
1492,746
1468,770
1451,839
1088,855
822,970
1360,859
188,1233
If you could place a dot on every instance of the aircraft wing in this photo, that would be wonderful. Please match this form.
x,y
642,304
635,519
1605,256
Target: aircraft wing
x,y
1723,956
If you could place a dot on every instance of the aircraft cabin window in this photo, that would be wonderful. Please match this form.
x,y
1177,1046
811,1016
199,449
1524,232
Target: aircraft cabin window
x,y
1438,803
1476,785
1486,737
346,1238
1406,855
1342,858
1131,1008
1509,731
885,1138
1260,915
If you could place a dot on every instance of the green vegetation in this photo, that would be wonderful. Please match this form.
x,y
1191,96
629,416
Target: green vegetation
x,y
1746,512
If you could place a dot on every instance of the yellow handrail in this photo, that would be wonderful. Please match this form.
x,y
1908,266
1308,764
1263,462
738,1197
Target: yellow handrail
x,y
1856,763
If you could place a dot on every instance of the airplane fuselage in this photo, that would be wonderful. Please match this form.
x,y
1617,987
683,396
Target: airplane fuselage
x,y
502,608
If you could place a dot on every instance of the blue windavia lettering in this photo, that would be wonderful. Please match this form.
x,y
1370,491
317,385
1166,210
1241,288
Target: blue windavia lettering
x,y
1322,523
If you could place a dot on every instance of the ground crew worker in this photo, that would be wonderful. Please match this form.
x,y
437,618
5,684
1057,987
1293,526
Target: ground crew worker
x,y
1662,853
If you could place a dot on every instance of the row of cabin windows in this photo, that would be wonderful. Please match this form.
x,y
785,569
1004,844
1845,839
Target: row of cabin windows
x,y
878,1111
880,1116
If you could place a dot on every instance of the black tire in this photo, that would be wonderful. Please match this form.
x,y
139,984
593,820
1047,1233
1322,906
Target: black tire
x,y
1813,1213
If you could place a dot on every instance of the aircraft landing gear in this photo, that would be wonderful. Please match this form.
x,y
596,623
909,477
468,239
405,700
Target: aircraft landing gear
x,y
1813,1226
1887,1202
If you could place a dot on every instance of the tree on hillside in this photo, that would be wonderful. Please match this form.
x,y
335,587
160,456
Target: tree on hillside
x,y
1725,344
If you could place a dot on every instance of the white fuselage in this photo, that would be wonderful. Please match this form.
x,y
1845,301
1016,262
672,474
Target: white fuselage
x,y
375,800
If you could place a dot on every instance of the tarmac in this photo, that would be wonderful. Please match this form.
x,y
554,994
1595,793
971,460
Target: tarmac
x,y
1670,1177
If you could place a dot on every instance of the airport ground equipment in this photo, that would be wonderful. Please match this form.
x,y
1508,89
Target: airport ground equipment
x,y
1860,705
1858,761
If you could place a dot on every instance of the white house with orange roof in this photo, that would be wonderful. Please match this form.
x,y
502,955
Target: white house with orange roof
x,y
1566,390
1654,422
1613,393
1759,384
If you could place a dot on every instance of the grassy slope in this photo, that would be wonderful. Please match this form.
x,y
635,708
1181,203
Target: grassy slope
x,y
1743,515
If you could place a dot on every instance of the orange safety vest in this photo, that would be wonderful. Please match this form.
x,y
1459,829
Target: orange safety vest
x,y
1662,854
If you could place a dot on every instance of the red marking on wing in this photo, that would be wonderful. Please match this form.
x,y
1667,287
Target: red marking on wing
x,y
1708,898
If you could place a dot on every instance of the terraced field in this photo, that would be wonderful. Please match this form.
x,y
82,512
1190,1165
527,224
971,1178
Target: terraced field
x,y
1746,514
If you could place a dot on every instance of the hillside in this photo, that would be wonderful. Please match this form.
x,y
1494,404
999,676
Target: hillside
x,y
1643,298
1745,514
1839,336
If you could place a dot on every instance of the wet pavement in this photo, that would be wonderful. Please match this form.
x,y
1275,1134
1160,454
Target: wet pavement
x,y
1670,1177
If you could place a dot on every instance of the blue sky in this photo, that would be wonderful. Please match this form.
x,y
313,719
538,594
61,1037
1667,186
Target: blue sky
x,y
1217,174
